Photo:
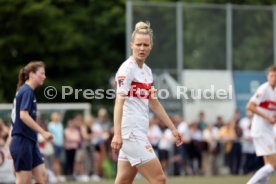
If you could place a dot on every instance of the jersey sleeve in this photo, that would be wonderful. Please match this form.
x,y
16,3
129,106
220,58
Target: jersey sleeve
x,y
27,100
258,97
124,78
153,89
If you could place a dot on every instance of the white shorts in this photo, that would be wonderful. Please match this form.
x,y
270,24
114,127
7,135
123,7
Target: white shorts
x,y
265,145
136,151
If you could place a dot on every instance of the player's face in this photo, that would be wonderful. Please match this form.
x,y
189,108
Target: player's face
x,y
271,77
141,47
39,76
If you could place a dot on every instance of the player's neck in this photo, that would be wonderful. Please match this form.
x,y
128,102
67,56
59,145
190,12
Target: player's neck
x,y
272,86
140,63
31,84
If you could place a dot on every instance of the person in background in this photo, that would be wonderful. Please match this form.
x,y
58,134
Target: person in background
x,y
201,121
210,136
24,150
227,136
72,140
56,128
263,105
154,133
251,162
104,122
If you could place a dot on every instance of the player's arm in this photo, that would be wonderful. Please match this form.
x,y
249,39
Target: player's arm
x,y
28,120
116,143
253,108
159,110
123,78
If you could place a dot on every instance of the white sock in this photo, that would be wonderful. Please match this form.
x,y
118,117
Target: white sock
x,y
261,175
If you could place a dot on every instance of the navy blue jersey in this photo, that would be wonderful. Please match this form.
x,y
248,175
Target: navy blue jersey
x,y
24,100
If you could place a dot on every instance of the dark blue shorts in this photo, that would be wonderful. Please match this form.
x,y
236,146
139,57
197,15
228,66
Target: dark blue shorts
x,y
25,154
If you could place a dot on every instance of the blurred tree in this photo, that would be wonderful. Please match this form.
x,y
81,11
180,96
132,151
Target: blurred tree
x,y
205,39
81,42
252,39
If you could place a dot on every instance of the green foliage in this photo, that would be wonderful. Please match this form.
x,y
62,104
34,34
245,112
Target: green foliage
x,y
204,38
253,41
81,42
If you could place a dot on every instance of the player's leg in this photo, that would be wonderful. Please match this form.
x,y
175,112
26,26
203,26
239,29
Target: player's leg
x,y
270,164
264,146
39,174
23,177
152,171
125,173
270,159
39,170
20,150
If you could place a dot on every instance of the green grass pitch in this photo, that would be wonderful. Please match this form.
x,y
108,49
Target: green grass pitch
x,y
196,180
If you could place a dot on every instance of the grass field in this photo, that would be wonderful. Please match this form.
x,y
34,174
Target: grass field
x,y
196,180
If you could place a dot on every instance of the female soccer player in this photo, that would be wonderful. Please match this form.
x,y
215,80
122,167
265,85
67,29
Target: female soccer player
x,y
135,94
25,153
263,105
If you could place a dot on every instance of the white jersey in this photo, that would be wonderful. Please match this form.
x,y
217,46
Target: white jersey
x,y
135,83
265,99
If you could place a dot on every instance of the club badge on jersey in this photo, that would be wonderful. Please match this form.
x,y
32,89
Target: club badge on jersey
x,y
121,80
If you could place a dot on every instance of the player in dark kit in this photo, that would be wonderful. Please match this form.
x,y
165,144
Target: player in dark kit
x,y
24,150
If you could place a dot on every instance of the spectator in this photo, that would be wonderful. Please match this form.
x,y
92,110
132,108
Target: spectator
x,y
210,136
56,128
99,140
201,121
180,155
72,140
165,146
194,149
154,133
80,173
87,135
219,122
228,136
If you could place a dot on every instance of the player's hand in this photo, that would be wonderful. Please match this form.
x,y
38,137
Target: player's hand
x,y
116,143
47,136
178,138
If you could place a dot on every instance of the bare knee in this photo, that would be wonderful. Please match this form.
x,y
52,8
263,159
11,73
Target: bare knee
x,y
23,180
161,179
274,166
41,179
272,163
120,180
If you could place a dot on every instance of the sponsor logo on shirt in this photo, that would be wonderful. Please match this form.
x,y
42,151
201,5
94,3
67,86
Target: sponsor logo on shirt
x,y
121,80
140,90
269,105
